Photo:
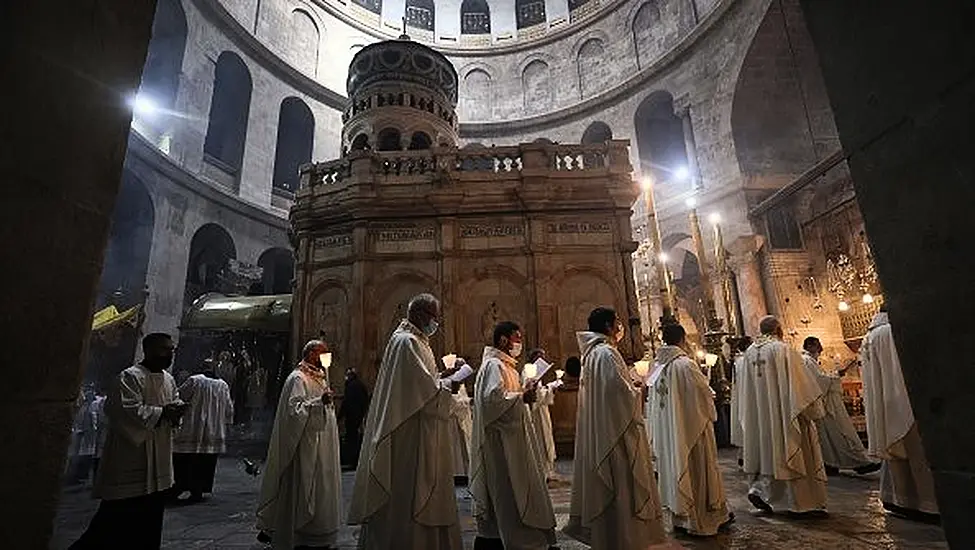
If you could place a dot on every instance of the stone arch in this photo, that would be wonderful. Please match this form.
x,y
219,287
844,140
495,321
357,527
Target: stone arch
x,y
389,139
475,17
491,294
579,291
304,41
597,132
164,61
536,82
592,68
389,301
278,266
360,143
781,120
659,137
328,317
211,250
229,109
127,254
420,141
296,133
478,99
421,14
647,33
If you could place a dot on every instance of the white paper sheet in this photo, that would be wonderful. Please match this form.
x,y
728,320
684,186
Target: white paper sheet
x,y
462,374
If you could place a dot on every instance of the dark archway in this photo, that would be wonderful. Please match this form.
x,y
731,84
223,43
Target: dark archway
x,y
659,137
296,133
475,17
597,132
229,109
129,244
360,143
420,14
388,140
781,119
279,270
164,62
420,141
211,250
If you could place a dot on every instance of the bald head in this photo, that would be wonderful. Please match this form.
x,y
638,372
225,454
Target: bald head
x,y
770,326
312,350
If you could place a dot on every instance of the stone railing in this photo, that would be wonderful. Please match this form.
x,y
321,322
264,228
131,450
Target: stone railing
x,y
611,156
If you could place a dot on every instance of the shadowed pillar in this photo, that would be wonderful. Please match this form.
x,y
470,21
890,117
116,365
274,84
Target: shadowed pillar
x,y
67,68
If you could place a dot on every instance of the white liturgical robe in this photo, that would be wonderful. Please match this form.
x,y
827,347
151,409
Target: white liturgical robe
x,y
779,404
301,492
737,438
615,503
682,415
541,417
138,455
404,484
838,437
905,478
511,500
462,422
204,425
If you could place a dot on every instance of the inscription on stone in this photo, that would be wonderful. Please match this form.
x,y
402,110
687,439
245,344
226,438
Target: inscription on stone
x,y
580,227
501,230
333,241
401,232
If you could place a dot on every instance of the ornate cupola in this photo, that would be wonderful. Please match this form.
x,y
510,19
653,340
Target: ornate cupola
x,y
402,96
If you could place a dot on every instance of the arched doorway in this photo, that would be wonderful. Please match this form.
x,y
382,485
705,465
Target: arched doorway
x,y
211,250
278,266
660,139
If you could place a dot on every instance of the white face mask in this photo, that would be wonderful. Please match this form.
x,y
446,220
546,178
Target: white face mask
x,y
515,349
431,328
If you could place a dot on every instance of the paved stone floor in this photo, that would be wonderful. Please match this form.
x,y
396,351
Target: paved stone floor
x,y
857,521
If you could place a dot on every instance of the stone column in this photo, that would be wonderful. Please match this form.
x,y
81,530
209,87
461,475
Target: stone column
x,y
682,109
744,261
904,111
68,68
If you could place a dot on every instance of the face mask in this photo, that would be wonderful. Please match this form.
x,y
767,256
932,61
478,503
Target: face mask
x,y
431,328
515,349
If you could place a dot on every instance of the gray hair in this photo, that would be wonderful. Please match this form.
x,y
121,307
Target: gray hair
x,y
424,302
312,344
769,324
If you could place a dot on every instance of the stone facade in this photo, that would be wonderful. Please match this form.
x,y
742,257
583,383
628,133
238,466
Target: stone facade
x,y
538,234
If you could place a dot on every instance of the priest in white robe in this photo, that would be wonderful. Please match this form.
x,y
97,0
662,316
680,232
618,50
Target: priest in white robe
x,y
511,500
404,491
202,437
615,503
682,414
780,403
906,484
136,468
542,418
838,438
741,345
301,491
462,424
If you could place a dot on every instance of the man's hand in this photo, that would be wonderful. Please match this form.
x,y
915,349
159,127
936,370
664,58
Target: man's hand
x,y
530,395
173,412
327,397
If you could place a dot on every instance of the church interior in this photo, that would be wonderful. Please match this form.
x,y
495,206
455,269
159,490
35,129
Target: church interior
x,y
249,175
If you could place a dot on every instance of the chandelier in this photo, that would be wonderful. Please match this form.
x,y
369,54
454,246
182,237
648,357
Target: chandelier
x,y
847,277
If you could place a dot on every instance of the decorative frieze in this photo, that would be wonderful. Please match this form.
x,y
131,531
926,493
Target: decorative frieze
x,y
475,231
333,241
399,232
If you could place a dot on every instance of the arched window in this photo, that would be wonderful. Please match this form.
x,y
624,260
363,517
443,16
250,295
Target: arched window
x,y
536,81
597,132
420,14
129,242
296,131
660,138
475,17
477,100
229,108
278,269
360,143
164,62
529,13
388,140
304,42
420,141
594,71
211,250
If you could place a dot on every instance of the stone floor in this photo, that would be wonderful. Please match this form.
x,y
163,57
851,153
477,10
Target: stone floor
x,y
225,521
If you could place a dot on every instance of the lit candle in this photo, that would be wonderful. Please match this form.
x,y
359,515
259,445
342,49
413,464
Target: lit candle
x,y
529,371
642,368
449,360
326,359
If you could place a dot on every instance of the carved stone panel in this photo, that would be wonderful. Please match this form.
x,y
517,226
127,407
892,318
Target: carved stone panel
x,y
491,235
402,237
579,232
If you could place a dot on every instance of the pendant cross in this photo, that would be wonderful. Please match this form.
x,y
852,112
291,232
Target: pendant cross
x,y
760,364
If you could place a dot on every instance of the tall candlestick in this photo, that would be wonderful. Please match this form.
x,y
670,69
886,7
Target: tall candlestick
x,y
653,228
